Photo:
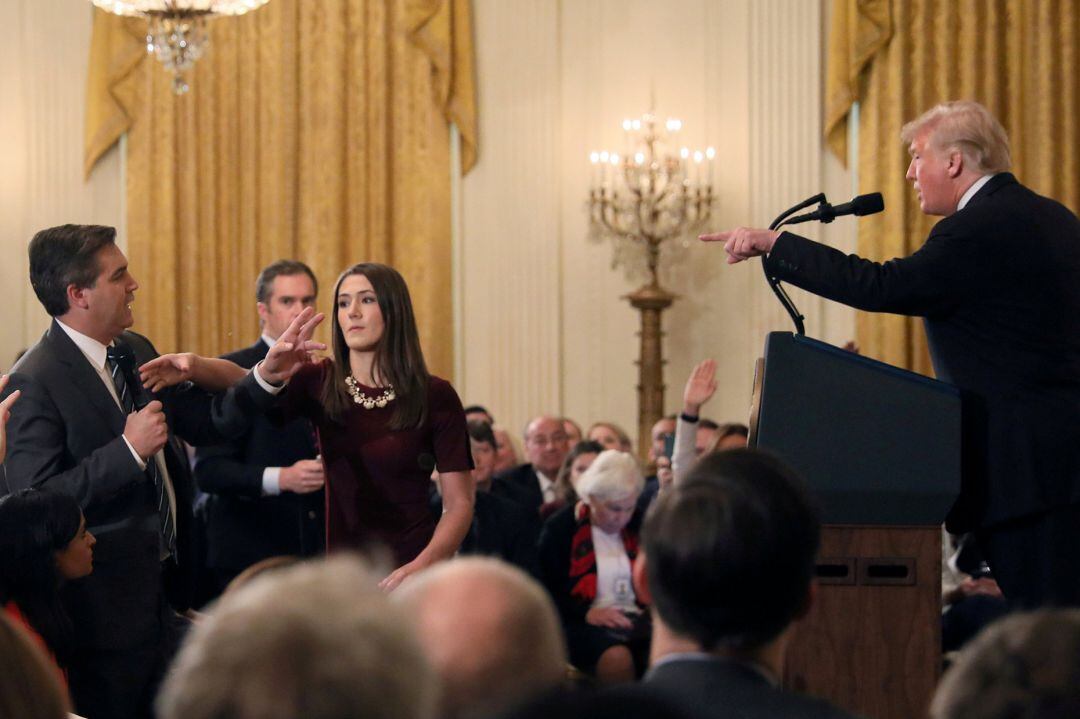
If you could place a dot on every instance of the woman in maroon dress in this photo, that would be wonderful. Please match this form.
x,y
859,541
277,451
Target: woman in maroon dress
x,y
383,422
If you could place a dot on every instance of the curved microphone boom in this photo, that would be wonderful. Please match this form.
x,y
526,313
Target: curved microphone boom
x,y
859,206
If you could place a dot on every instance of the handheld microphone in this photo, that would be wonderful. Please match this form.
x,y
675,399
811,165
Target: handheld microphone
x,y
125,358
859,206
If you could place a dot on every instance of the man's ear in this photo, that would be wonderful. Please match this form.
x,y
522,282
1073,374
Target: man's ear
x,y
263,311
808,601
77,297
640,576
956,163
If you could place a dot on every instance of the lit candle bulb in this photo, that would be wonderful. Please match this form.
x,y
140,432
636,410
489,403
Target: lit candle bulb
x,y
698,157
710,154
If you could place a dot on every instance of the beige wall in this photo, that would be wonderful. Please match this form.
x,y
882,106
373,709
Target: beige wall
x,y
543,325
42,86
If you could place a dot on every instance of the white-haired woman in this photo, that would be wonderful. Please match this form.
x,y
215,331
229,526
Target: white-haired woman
x,y
586,554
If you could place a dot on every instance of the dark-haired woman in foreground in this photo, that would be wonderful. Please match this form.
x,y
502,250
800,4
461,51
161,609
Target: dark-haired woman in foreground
x,y
44,543
383,422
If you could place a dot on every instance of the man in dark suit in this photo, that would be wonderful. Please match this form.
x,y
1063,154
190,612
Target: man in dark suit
x,y
85,426
533,484
265,489
998,283
727,562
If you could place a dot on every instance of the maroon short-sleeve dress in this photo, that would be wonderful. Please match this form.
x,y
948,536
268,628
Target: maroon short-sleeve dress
x,y
377,479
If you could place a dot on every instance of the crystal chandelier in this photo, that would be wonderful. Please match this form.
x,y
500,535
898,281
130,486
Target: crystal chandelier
x,y
176,31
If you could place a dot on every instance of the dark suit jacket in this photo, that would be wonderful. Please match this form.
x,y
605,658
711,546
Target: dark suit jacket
x,y
725,689
243,526
502,528
65,435
998,284
519,485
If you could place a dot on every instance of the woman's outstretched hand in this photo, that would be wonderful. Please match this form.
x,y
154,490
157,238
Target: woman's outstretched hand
x,y
210,373
293,348
168,370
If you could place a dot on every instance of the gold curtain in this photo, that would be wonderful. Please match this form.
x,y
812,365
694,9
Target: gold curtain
x,y
315,130
1018,57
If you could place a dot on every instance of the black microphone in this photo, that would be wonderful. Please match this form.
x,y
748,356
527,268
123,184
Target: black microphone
x,y
859,206
124,357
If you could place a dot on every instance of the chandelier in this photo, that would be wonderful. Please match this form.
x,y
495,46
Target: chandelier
x,y
176,31
650,192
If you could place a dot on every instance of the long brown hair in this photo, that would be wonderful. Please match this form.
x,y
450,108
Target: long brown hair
x,y
399,359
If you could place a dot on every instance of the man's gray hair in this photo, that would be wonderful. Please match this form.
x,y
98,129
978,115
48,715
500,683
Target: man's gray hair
x,y
314,641
1025,665
968,127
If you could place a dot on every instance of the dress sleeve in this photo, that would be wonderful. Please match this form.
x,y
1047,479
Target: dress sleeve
x,y
450,436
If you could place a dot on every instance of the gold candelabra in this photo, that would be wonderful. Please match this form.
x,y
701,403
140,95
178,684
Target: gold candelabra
x,y
640,199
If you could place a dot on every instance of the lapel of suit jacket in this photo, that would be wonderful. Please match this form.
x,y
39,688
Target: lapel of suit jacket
x,y
85,379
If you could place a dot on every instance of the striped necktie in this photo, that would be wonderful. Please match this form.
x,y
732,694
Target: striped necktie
x,y
120,361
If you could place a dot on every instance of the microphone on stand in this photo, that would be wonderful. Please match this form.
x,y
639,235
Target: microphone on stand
x,y
859,206
862,205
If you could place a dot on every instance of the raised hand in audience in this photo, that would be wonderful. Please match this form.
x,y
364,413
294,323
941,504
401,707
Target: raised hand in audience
x,y
293,348
209,373
5,412
699,387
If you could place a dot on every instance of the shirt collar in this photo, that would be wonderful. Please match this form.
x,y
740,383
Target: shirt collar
x,y
975,187
544,481
267,339
706,657
94,350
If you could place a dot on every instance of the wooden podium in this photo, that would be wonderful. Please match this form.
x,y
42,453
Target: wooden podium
x,y
880,448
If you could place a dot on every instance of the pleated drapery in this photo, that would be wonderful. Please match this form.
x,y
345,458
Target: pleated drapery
x,y
900,57
314,129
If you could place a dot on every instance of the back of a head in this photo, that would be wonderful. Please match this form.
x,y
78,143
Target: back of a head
x,y
314,641
730,552
1026,666
29,686
491,631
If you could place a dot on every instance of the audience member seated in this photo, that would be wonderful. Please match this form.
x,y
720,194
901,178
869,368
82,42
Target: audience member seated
x,y
479,412
586,552
730,435
314,641
506,455
726,567
489,630
500,527
577,461
695,436
1023,666
29,687
573,431
533,484
44,543
971,598
659,459
610,435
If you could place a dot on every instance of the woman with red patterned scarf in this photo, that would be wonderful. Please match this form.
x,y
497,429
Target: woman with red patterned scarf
x,y
586,552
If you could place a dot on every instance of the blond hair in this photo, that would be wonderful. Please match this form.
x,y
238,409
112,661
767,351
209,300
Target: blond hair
x,y
29,685
968,127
